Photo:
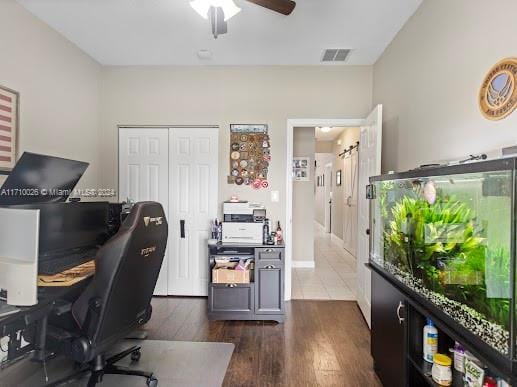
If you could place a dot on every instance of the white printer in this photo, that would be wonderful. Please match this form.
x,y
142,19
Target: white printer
x,y
243,222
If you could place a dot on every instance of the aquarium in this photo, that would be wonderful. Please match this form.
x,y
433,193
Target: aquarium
x,y
448,234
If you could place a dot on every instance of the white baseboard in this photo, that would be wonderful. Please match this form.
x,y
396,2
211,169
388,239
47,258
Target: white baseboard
x,y
303,264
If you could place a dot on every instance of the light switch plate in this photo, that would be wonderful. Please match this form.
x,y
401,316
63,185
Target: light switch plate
x,y
275,196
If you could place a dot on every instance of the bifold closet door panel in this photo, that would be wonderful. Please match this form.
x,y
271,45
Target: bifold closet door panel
x,y
193,182
144,175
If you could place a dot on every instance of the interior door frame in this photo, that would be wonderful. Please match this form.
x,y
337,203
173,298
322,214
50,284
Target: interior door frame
x,y
288,232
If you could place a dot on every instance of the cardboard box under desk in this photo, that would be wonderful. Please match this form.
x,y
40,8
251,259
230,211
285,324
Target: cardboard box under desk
x,y
230,276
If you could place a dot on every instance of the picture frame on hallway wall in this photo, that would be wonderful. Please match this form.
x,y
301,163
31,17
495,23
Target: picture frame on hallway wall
x,y
301,169
9,125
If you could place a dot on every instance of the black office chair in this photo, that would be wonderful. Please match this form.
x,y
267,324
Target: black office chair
x,y
118,299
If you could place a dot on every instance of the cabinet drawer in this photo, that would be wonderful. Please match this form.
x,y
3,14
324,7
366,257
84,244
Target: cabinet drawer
x,y
269,253
231,298
269,294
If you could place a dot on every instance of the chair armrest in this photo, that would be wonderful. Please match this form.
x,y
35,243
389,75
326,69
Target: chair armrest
x,y
61,307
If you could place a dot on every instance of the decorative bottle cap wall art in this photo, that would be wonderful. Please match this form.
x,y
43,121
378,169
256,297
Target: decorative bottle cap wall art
x,y
250,155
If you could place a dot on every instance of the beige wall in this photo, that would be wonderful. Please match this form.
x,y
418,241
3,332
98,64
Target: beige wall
x,y
304,144
59,89
324,146
224,95
429,77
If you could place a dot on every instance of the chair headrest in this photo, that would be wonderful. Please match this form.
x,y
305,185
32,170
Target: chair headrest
x,y
145,214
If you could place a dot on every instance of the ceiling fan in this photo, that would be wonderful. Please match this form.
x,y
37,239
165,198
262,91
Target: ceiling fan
x,y
220,11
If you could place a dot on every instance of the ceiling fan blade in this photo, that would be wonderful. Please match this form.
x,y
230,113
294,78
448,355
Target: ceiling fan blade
x,y
285,7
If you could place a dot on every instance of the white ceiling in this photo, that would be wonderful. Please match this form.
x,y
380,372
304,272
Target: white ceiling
x,y
334,133
170,32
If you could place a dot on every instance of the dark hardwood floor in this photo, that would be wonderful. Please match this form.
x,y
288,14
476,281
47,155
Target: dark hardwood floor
x,y
321,343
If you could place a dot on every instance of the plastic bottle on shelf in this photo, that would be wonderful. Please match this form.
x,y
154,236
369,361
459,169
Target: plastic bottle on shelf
x,y
459,357
430,344
279,234
441,371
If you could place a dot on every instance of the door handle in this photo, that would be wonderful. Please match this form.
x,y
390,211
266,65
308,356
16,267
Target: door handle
x,y
268,250
401,319
182,228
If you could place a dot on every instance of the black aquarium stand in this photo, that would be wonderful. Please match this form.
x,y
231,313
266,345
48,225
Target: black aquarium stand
x,y
398,316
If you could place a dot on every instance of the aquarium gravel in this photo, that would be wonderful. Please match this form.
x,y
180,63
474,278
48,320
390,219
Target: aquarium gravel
x,y
492,334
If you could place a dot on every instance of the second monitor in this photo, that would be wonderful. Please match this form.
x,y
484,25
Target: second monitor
x,y
70,233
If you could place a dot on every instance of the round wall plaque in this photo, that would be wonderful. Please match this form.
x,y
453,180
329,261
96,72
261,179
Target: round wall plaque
x,y
498,94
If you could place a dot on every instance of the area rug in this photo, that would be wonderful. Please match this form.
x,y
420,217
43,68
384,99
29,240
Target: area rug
x,y
174,363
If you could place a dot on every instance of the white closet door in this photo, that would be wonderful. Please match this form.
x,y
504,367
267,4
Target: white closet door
x,y
193,203
144,175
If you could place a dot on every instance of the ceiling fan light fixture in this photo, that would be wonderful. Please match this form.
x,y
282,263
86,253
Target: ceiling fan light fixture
x,y
203,6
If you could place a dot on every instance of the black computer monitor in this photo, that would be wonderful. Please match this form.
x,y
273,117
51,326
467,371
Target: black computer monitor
x,y
41,179
70,226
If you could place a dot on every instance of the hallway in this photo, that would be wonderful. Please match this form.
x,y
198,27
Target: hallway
x,y
333,278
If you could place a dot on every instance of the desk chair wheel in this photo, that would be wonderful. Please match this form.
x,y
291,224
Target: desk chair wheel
x,y
136,355
148,314
152,381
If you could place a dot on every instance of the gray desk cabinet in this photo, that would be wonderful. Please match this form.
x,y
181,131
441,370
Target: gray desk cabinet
x,y
269,280
262,299
231,298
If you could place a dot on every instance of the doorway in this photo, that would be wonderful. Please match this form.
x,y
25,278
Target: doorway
x,y
178,167
322,268
368,160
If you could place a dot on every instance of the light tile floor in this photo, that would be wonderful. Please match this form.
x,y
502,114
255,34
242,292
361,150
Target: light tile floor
x,y
333,278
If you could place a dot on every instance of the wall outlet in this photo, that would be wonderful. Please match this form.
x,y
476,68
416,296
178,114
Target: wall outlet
x,y
275,196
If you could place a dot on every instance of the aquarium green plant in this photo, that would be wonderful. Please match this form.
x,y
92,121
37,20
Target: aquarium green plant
x,y
431,232
385,188
442,244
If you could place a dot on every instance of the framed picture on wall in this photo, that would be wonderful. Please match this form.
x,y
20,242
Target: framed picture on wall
x,y
301,169
338,178
9,117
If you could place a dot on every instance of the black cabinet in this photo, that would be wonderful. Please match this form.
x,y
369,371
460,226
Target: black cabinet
x,y
388,340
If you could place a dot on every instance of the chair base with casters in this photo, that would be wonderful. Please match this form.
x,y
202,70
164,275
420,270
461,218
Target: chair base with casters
x,y
100,366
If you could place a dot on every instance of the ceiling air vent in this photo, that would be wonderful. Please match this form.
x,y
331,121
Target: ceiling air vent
x,y
335,55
